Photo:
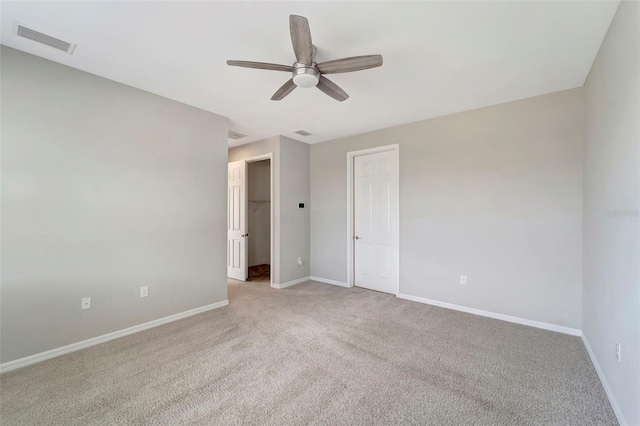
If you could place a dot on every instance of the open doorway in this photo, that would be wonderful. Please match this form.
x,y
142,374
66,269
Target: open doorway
x,y
250,219
259,220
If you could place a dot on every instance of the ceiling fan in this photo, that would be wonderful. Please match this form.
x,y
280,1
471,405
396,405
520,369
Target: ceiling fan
x,y
305,71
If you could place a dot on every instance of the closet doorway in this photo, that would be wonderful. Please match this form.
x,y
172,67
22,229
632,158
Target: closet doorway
x,y
259,220
250,220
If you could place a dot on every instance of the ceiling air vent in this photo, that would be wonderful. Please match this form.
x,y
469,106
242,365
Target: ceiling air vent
x,y
25,32
235,135
303,133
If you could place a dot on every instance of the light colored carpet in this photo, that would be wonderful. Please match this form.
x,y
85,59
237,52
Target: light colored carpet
x,y
316,354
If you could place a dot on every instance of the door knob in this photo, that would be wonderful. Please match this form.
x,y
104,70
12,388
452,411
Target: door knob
x,y
357,238
244,235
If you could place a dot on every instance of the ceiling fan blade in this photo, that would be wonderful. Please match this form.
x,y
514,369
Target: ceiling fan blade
x,y
261,65
301,39
284,90
332,89
356,63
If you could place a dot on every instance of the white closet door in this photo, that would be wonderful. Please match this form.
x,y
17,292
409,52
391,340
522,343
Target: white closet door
x,y
237,267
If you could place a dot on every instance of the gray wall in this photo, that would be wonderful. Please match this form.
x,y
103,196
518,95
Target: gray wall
x,y
105,188
611,293
259,212
494,193
295,187
291,184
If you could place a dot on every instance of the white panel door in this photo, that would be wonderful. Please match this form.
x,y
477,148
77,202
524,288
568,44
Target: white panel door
x,y
237,267
375,218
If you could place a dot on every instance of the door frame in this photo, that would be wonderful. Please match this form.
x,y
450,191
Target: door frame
x,y
256,158
351,213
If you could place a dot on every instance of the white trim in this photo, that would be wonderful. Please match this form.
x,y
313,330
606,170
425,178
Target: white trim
x,y
265,156
605,384
503,317
32,359
290,283
328,281
350,246
255,158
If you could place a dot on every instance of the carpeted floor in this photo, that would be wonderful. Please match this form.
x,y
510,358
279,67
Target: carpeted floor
x,y
316,354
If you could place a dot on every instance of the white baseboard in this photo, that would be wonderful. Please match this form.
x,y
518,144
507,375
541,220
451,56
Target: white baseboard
x,y
328,281
523,321
32,359
290,283
605,384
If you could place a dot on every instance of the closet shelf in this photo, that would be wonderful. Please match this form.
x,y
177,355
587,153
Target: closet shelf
x,y
258,203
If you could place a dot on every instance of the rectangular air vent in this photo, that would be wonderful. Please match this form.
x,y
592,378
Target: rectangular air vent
x,y
22,31
235,135
303,133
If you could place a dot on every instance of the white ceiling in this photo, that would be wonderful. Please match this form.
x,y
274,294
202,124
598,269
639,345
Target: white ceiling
x,y
439,57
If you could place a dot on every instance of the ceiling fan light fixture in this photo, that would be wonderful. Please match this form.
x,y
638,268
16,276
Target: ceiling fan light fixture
x,y
305,76
305,71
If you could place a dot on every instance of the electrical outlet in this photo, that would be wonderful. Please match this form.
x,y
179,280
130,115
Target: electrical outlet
x,y
299,261
86,303
618,350
463,279
144,291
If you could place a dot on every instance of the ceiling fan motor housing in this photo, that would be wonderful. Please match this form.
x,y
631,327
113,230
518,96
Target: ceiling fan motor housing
x,y
305,75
